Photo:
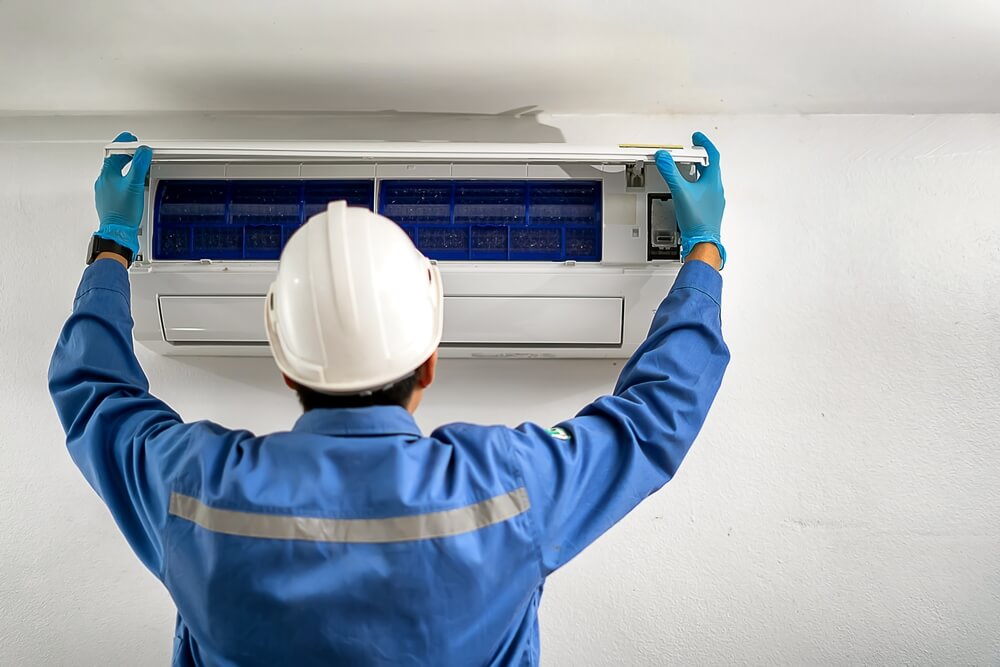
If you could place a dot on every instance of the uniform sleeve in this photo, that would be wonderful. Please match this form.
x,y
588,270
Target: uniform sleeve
x,y
125,441
587,474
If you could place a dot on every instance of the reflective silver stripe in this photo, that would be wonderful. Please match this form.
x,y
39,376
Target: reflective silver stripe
x,y
393,529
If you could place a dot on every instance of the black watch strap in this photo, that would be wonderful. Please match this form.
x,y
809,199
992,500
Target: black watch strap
x,y
99,244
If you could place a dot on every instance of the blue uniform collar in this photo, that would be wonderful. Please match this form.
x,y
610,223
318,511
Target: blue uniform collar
x,y
374,420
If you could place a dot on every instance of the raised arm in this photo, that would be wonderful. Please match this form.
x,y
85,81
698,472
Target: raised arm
x,y
114,426
587,473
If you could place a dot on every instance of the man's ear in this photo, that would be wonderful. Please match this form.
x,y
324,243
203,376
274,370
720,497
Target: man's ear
x,y
290,382
425,374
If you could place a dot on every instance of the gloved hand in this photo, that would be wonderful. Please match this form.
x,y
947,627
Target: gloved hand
x,y
699,205
120,198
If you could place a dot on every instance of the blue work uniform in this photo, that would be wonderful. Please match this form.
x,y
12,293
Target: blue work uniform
x,y
354,538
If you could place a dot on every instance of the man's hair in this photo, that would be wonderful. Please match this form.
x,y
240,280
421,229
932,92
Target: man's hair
x,y
398,394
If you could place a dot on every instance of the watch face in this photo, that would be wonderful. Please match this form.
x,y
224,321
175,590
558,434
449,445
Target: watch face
x,y
91,255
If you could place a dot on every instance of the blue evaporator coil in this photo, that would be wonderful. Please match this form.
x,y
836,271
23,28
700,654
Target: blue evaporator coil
x,y
523,220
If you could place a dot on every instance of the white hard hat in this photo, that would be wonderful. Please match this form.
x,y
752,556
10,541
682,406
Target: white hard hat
x,y
355,306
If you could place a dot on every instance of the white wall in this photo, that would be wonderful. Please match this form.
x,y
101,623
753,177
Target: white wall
x,y
840,507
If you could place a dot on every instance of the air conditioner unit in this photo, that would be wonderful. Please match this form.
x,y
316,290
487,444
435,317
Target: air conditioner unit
x,y
546,250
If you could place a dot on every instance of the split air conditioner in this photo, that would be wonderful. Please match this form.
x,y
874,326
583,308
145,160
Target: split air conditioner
x,y
546,250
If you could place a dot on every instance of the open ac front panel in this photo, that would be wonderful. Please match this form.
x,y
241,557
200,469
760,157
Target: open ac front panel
x,y
545,251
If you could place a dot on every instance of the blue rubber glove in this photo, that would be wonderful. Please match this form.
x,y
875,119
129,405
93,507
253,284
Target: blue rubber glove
x,y
699,205
120,198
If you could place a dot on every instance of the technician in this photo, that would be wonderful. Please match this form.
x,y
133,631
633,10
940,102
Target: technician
x,y
354,539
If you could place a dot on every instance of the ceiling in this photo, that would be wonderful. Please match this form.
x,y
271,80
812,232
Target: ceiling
x,y
484,56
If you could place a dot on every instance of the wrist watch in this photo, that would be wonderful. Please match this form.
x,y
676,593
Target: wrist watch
x,y
99,244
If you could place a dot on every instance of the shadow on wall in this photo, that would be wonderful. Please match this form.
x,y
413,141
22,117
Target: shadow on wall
x,y
258,372
518,125
484,391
